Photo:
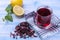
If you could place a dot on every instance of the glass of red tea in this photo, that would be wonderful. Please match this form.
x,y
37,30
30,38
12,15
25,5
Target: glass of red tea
x,y
42,17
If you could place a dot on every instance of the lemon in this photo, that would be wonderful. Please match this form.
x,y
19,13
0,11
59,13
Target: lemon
x,y
18,10
16,2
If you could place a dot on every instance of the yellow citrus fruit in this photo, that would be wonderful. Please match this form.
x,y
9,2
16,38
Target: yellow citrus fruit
x,y
16,2
18,10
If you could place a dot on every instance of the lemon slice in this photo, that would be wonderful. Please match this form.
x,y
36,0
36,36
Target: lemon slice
x,y
18,10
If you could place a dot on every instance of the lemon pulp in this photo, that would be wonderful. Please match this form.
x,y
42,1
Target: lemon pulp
x,y
18,10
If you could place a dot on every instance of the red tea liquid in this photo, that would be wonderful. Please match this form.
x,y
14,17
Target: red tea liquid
x,y
43,17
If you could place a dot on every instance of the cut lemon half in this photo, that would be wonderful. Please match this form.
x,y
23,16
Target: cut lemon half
x,y
18,10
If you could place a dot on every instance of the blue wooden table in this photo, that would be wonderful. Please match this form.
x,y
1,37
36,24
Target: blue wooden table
x,y
29,6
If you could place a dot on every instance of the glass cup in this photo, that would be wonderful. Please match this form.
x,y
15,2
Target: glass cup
x,y
42,17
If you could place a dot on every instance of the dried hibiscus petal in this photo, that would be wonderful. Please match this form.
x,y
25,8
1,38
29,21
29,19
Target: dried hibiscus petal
x,y
23,30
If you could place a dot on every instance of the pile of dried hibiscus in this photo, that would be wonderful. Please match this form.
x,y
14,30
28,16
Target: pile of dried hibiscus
x,y
23,31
